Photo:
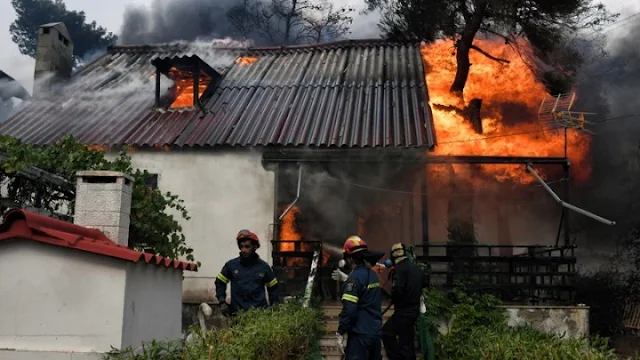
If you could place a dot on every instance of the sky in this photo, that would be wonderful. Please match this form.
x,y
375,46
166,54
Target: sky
x,y
109,14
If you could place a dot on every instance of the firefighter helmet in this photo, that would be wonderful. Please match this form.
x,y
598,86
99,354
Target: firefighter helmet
x,y
398,252
354,244
247,235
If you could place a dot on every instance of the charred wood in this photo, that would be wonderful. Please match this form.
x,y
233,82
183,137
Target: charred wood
x,y
471,113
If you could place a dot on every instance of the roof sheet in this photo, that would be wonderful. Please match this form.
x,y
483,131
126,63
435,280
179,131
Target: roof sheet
x,y
346,94
22,224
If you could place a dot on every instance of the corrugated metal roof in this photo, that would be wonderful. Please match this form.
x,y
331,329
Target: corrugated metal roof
x,y
25,225
346,94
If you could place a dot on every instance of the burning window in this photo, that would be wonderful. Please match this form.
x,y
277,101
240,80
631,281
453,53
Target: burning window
x,y
184,87
193,82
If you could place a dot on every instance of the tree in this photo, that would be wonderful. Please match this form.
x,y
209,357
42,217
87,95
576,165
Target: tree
x,y
545,24
152,227
289,22
31,14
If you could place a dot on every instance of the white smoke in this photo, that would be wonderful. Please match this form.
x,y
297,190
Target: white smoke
x,y
13,96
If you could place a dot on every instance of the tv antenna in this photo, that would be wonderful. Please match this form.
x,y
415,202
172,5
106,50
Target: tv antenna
x,y
558,110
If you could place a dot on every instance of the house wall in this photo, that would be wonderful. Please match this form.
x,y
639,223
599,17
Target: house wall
x,y
568,321
565,321
59,300
224,191
153,304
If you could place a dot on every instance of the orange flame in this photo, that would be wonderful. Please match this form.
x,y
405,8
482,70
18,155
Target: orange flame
x,y
246,60
102,148
184,84
289,232
501,87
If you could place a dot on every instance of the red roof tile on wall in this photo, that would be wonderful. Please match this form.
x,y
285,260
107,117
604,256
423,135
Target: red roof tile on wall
x,y
22,224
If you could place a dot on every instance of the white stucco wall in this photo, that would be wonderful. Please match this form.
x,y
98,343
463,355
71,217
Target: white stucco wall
x,y
153,304
224,191
56,299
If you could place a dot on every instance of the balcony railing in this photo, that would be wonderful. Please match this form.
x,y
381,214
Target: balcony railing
x,y
520,274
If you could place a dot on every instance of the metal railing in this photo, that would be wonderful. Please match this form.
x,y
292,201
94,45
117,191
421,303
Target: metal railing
x,y
292,263
521,274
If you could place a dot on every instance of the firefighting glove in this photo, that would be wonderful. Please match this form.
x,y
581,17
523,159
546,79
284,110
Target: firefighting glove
x,y
225,310
340,342
338,275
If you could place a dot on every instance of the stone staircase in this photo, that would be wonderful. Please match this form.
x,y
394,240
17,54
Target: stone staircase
x,y
327,342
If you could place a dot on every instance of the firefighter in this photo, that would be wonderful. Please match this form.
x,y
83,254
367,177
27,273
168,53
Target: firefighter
x,y
361,315
248,275
408,280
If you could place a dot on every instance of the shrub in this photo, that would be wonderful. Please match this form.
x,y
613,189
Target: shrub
x,y
286,332
478,330
607,291
154,214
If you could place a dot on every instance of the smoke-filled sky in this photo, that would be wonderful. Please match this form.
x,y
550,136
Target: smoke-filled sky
x,y
111,15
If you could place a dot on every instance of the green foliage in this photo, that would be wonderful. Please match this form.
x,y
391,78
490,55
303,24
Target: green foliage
x,y
153,227
478,330
607,291
286,332
86,37
542,22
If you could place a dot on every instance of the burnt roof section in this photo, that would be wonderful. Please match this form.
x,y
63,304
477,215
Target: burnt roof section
x,y
346,94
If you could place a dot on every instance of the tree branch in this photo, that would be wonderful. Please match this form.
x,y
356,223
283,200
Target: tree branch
x,y
489,31
502,61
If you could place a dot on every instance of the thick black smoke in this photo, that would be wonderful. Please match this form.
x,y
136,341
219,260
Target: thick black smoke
x,y
609,87
172,20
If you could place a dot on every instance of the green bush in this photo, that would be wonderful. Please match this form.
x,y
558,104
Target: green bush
x,y
286,332
607,291
478,330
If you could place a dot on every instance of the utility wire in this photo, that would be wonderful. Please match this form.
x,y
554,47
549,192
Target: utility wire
x,y
367,187
626,116
373,188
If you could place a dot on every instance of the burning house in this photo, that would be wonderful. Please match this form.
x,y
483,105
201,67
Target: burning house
x,y
307,145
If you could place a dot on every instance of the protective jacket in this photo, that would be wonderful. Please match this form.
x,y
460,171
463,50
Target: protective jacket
x,y
248,278
361,298
407,284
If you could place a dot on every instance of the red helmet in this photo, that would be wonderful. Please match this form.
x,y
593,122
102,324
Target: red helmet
x,y
247,235
353,245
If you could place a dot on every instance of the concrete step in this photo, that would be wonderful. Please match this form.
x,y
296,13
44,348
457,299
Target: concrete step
x,y
332,315
329,348
331,312
327,343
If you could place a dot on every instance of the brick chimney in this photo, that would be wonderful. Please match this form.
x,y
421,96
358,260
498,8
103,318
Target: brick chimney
x,y
103,202
54,57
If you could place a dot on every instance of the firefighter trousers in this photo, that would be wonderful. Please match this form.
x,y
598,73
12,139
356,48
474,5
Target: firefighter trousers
x,y
363,347
398,336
